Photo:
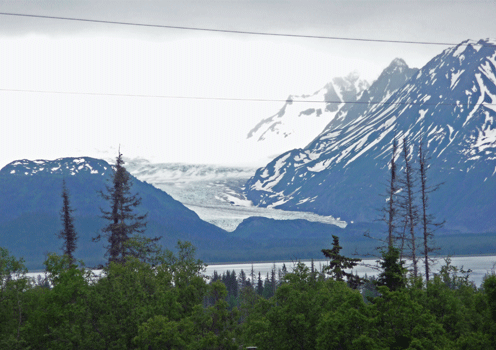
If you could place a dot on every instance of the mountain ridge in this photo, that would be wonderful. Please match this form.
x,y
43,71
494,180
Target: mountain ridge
x,y
351,154
293,126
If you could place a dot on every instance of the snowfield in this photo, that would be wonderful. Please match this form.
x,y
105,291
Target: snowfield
x,y
214,192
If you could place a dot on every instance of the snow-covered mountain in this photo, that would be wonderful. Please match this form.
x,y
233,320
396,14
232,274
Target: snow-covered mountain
x,y
450,103
62,166
303,117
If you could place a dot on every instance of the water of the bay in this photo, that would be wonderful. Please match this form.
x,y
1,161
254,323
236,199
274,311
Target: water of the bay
x,y
480,266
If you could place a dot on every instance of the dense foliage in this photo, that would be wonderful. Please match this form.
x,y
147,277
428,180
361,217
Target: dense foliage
x,y
171,305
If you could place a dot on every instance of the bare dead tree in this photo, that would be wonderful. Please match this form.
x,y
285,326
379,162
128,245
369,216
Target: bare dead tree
x,y
388,211
427,219
407,204
402,237
392,195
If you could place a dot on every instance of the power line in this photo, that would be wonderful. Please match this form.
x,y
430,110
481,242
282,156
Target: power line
x,y
231,31
242,99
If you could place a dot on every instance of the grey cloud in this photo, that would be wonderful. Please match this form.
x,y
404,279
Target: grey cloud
x,y
397,20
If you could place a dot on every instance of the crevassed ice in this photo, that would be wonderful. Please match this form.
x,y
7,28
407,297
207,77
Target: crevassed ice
x,y
221,202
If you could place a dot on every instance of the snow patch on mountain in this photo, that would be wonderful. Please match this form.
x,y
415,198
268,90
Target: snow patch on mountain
x,y
62,166
304,116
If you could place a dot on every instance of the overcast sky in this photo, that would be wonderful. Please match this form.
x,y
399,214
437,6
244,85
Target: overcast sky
x,y
53,58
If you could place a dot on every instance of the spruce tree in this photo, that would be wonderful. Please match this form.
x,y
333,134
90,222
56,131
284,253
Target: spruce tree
x,y
242,279
125,228
233,284
68,233
393,274
267,288
339,263
260,286
273,281
284,271
215,276
252,276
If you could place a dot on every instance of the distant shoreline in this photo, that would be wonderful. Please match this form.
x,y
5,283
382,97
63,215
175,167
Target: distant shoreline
x,y
315,260
321,260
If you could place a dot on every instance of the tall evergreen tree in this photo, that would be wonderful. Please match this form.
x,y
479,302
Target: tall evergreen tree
x,y
267,288
68,233
393,274
273,281
215,276
284,271
242,279
125,228
339,263
260,286
252,276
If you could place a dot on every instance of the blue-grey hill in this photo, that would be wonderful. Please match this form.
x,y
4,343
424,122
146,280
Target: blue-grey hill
x,y
30,202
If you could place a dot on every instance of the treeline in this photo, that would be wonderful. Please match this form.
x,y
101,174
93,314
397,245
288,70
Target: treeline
x,y
171,305
265,286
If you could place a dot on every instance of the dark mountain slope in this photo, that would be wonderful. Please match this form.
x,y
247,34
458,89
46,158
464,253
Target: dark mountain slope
x,y
30,200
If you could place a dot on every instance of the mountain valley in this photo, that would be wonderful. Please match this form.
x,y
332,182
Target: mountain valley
x,y
330,182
